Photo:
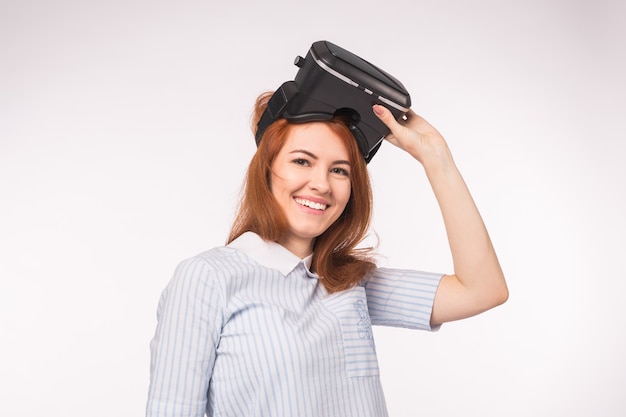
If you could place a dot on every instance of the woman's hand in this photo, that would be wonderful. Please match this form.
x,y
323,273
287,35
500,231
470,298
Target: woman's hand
x,y
414,135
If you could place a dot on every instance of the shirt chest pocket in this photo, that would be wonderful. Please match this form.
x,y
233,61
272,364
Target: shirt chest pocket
x,y
350,308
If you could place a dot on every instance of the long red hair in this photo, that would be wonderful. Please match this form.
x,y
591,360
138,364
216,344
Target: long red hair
x,y
336,258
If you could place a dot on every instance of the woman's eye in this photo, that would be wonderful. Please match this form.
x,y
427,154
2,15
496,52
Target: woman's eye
x,y
340,171
301,161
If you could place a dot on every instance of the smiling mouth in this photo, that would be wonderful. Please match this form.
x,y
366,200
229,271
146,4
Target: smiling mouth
x,y
311,204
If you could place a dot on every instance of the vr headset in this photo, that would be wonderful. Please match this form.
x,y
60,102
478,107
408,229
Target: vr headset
x,y
333,81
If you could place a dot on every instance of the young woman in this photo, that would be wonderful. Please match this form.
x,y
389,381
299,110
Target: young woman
x,y
278,321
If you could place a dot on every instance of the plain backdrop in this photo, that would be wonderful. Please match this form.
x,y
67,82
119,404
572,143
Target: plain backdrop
x,y
124,140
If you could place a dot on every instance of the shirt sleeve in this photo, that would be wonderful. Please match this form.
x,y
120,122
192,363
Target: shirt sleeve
x,y
184,346
401,297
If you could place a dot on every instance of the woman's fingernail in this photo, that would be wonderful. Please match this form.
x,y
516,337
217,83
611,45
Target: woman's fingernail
x,y
378,109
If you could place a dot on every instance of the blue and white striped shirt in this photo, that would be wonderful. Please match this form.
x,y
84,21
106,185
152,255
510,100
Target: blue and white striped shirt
x,y
248,330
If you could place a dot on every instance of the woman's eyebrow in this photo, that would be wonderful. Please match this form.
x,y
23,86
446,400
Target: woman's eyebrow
x,y
304,151
341,162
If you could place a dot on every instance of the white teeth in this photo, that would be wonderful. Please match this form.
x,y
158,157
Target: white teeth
x,y
311,204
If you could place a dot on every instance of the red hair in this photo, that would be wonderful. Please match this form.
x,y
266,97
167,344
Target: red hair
x,y
336,258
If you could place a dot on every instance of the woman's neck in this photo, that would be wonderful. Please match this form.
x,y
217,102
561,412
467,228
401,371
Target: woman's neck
x,y
299,247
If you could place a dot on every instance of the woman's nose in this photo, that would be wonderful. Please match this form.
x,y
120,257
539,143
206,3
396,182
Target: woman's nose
x,y
319,181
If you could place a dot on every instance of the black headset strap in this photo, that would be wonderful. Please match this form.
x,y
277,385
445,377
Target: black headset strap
x,y
276,107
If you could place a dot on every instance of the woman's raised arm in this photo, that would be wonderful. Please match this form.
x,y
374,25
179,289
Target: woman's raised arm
x,y
478,282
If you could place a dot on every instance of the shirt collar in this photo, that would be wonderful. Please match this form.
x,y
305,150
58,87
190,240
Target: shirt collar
x,y
269,254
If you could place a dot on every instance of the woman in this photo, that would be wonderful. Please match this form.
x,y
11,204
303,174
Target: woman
x,y
278,322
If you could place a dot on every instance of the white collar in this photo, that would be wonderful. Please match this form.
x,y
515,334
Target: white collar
x,y
270,254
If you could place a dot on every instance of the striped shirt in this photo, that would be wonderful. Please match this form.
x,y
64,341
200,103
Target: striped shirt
x,y
248,330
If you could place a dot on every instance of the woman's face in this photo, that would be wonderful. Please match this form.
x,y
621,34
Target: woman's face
x,y
310,180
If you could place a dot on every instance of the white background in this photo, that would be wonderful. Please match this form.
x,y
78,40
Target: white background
x,y
124,139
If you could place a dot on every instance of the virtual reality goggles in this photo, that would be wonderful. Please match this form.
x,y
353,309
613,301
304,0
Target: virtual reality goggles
x,y
333,81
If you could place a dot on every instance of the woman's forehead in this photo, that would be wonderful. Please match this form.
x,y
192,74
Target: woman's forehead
x,y
316,137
